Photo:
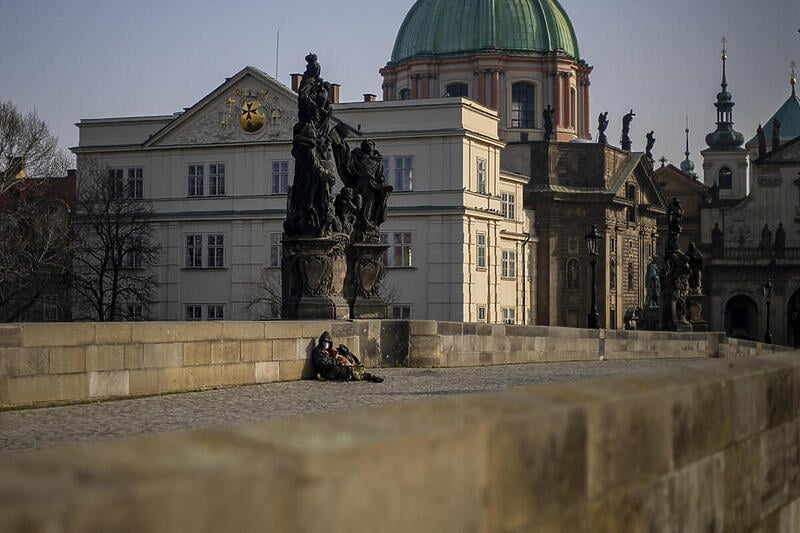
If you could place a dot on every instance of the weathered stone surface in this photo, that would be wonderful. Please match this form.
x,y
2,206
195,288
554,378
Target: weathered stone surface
x,y
257,350
743,485
197,331
162,355
145,332
143,381
117,333
15,362
10,335
105,357
267,372
67,360
109,384
48,334
701,421
243,331
226,352
196,353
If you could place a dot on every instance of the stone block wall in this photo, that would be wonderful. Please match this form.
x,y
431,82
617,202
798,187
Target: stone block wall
x,y
43,364
716,450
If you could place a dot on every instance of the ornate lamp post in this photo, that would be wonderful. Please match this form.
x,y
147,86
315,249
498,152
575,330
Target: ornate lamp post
x,y
768,299
592,244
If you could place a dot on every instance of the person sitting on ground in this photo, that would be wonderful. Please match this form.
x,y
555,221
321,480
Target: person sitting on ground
x,y
339,364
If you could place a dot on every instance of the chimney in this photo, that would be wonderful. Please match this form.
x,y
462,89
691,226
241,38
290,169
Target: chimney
x,y
369,97
296,82
334,93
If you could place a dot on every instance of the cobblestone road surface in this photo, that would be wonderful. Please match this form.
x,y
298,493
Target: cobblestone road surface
x,y
57,426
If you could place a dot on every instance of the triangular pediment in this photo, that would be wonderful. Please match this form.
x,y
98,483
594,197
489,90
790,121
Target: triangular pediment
x,y
639,170
250,107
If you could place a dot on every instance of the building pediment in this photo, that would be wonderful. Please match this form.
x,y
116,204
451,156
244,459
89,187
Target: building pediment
x,y
250,107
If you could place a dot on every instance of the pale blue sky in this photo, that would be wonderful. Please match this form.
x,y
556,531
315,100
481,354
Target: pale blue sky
x,y
73,59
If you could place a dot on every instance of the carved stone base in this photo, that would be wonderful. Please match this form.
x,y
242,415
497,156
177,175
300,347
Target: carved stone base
x,y
312,277
363,282
650,319
694,302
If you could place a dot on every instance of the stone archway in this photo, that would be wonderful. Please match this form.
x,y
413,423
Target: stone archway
x,y
793,320
741,318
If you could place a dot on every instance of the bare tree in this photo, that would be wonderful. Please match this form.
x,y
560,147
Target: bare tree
x,y
34,245
267,299
114,249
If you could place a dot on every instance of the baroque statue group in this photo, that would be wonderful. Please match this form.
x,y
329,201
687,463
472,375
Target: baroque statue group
x,y
332,250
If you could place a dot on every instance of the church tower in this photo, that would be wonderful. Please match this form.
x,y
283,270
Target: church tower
x,y
725,159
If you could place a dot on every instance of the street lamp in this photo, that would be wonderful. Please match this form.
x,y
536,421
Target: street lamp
x,y
768,299
592,244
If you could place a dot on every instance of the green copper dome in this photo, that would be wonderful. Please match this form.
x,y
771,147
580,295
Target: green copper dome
x,y
436,28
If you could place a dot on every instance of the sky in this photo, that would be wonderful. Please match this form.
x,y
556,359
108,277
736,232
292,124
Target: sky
x,y
75,59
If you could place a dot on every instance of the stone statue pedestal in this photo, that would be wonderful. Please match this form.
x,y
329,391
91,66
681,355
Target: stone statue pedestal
x,y
694,303
650,319
363,282
313,272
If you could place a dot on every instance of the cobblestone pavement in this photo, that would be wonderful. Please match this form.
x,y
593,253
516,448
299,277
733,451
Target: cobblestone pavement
x,y
57,426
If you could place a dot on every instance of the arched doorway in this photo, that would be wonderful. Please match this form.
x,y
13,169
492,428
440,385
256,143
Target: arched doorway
x,y
741,318
793,320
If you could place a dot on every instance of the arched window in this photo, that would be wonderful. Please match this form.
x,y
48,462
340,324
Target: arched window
x,y
725,178
523,105
458,89
405,94
573,274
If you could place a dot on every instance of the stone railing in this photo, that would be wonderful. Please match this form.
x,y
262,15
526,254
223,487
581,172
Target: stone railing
x,y
43,364
714,450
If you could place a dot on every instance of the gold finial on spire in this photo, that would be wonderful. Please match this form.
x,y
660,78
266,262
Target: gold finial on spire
x,y
793,79
724,49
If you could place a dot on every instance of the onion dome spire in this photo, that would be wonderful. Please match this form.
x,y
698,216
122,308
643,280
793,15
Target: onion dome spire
x,y
687,165
724,137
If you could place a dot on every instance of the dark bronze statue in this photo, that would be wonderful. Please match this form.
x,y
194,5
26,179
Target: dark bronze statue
x,y
695,257
653,284
651,141
762,142
602,124
625,141
548,114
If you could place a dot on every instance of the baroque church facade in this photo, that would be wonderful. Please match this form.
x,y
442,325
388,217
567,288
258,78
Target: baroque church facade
x,y
488,217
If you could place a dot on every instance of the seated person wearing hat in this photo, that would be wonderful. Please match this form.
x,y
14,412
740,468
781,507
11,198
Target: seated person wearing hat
x,y
339,364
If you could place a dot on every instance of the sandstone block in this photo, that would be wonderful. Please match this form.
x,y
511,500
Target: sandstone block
x,y
117,333
109,384
257,350
225,352
743,485
143,381
58,334
73,386
295,370
198,331
10,335
4,391
701,421
780,396
145,332
289,349
15,362
423,327
773,469
284,329
196,353
238,374
67,360
29,390
162,355
134,356
696,497
312,329
105,357
267,372
749,403
243,330
172,379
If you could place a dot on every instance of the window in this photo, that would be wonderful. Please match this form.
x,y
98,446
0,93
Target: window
x,y
115,183
509,264
136,183
215,312
509,315
216,251
134,256
573,274
399,253
405,94
508,205
458,89
481,313
523,105
194,251
482,176
400,172
725,178
280,177
216,179
401,312
630,192
133,312
481,250
275,249
195,180
194,312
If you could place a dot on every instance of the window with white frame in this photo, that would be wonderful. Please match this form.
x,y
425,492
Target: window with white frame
x,y
275,249
216,179
196,180
134,255
135,183
523,105
480,241
509,264
481,313
133,312
216,251
215,312
508,205
482,176
280,177
193,312
194,251
115,184
401,312
399,172
509,315
399,253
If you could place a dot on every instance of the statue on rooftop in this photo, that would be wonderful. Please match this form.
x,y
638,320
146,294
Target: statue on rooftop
x,y
695,257
625,141
762,141
651,141
602,124
548,114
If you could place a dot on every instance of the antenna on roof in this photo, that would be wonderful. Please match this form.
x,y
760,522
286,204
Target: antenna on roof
x,y
277,51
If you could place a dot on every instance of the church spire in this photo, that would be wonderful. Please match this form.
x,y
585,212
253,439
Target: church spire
x,y
724,137
687,165
793,79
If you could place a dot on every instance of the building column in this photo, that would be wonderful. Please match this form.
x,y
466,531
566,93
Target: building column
x,y
414,87
496,90
566,105
587,117
481,87
557,99
426,82
385,93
